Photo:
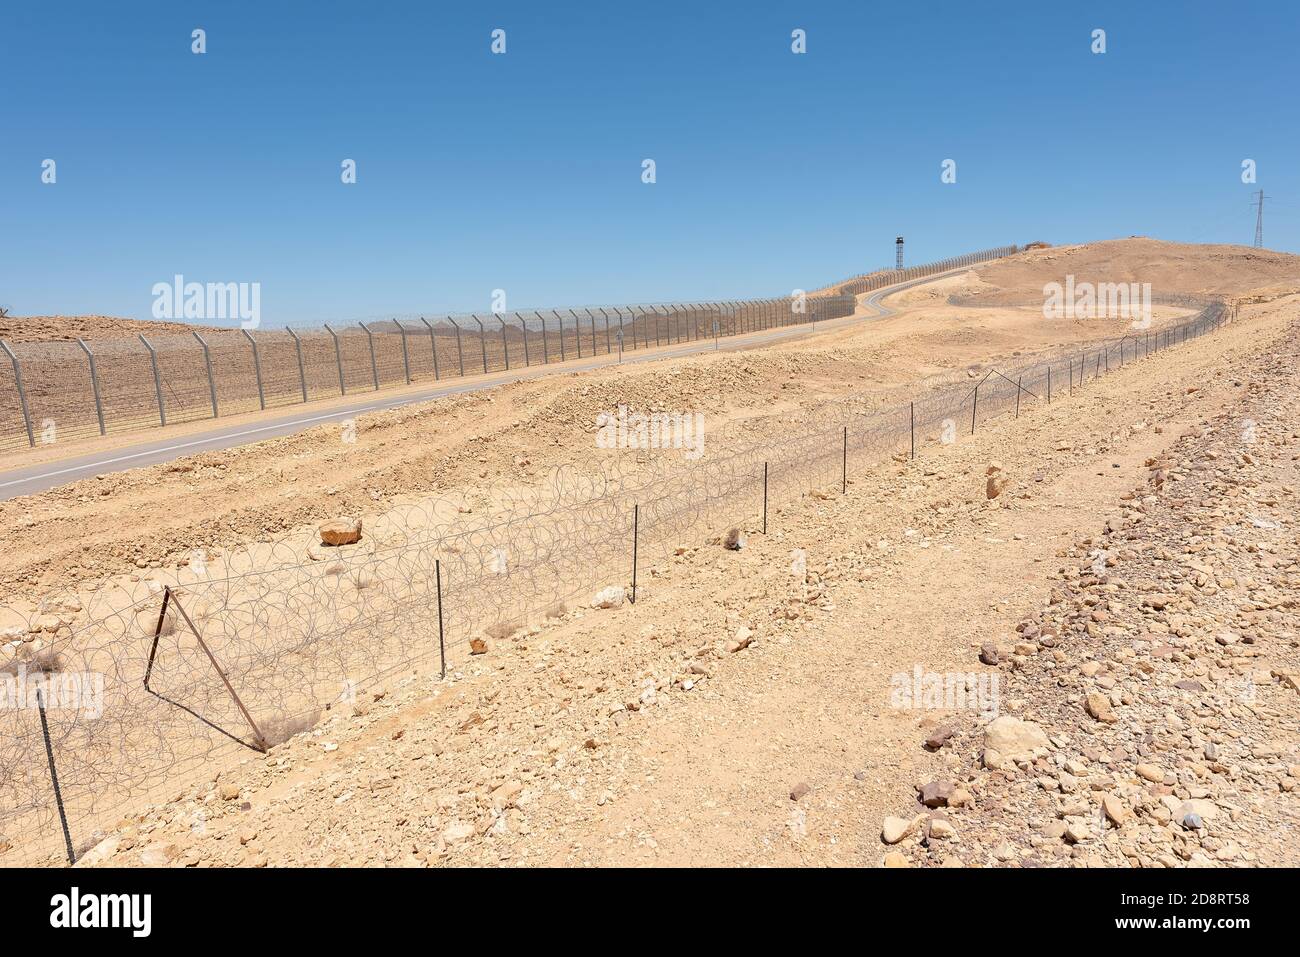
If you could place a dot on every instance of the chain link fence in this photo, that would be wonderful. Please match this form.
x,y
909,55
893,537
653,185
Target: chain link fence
x,y
51,391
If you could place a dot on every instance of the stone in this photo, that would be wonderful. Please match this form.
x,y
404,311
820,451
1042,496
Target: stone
x,y
477,646
1098,705
228,792
340,531
939,737
896,859
744,636
1149,772
897,828
994,486
1014,739
942,830
611,597
989,653
734,539
936,793
799,790
1115,810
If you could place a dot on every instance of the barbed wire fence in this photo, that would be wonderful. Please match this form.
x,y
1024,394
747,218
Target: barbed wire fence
x,y
75,389
146,686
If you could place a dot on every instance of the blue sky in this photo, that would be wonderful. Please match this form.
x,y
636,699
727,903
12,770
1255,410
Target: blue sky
x,y
523,171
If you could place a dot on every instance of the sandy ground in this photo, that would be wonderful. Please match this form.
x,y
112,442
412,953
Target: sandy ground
x,y
638,736
635,735
219,501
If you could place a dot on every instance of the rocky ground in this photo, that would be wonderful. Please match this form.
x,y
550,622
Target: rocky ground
x,y
1154,701
1131,587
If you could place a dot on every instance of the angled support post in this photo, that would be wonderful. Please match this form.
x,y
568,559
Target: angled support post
x,y
560,319
257,368
433,346
460,353
505,343
302,370
212,381
523,327
94,384
22,392
157,380
374,366
406,353
546,347
577,331
338,358
482,341
168,598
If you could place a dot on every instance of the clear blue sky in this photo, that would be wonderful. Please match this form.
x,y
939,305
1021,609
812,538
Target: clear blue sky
x,y
523,171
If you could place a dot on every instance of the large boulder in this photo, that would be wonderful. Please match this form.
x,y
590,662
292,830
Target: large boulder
x,y
341,531
1010,739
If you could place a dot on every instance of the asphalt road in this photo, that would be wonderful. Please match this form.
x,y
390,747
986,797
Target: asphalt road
x,y
32,479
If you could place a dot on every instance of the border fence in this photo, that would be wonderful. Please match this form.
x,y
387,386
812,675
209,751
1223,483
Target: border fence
x,y
74,389
203,667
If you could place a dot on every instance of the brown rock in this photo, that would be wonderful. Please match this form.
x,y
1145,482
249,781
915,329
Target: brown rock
x,y
341,531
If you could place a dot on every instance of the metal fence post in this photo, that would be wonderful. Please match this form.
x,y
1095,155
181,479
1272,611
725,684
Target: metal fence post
x,y
374,366
560,319
577,331
94,384
608,347
302,370
482,341
546,348
844,463
257,367
433,346
912,427
460,353
338,358
22,392
636,528
157,380
212,382
593,331
523,325
505,344
406,355
54,777
442,646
